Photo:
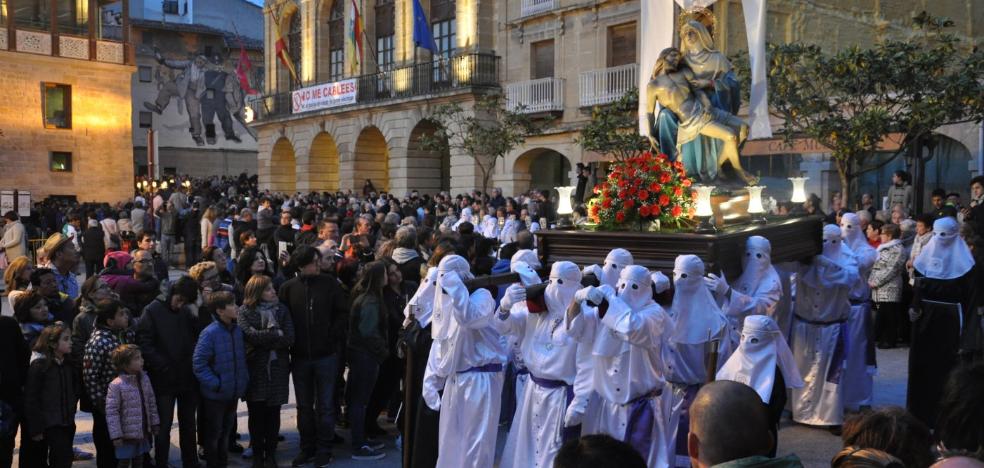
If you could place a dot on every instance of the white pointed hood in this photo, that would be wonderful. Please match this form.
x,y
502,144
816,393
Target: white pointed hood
x,y
615,262
757,271
946,255
694,309
762,348
565,281
449,294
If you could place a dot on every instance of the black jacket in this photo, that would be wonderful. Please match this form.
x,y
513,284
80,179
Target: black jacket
x,y
167,340
49,396
319,310
13,366
93,245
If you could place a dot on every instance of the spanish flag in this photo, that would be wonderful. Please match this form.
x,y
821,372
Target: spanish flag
x,y
355,42
281,45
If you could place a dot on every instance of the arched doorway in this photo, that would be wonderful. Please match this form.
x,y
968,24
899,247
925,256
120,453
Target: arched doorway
x,y
371,159
429,171
282,167
543,168
323,164
947,169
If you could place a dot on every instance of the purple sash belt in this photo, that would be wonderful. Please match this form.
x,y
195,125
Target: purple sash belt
x,y
566,433
639,430
522,371
494,367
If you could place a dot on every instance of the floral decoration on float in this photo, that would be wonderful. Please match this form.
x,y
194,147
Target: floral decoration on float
x,y
647,193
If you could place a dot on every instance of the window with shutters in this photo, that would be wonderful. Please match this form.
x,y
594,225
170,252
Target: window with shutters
x,y
385,28
542,59
294,42
622,44
336,40
445,31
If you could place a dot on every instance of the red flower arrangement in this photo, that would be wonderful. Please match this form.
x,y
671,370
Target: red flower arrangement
x,y
643,189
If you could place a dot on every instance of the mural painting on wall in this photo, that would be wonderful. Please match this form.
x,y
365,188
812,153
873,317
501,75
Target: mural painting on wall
x,y
206,94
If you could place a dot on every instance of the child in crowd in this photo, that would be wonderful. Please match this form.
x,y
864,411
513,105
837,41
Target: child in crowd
x,y
112,322
131,408
49,398
219,363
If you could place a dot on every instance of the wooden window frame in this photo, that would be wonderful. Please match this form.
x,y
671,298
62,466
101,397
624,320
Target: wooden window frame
x,y
51,162
67,101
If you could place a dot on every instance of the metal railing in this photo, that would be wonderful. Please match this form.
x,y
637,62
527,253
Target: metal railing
x,y
542,95
535,7
462,72
608,84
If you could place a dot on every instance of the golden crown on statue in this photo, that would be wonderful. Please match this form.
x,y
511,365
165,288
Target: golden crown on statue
x,y
702,15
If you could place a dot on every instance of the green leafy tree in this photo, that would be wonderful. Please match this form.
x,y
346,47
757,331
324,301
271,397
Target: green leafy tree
x,y
852,100
613,130
486,132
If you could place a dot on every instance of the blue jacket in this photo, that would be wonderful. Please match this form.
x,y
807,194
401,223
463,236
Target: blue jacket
x,y
220,362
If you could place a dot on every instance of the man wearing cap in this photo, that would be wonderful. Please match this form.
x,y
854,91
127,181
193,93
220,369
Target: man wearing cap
x,y
700,330
63,258
764,362
552,359
466,360
822,307
624,334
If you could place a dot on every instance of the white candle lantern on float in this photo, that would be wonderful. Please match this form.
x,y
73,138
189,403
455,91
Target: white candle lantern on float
x,y
799,189
755,208
564,208
704,212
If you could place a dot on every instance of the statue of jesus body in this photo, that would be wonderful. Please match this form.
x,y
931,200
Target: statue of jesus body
x,y
677,89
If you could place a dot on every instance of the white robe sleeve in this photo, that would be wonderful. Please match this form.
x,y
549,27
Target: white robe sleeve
x,y
512,323
640,328
581,328
473,311
763,302
433,383
424,294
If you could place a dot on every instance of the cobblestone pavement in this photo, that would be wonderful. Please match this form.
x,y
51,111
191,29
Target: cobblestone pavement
x,y
814,446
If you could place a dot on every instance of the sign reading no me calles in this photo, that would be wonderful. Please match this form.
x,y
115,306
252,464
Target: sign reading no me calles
x,y
324,96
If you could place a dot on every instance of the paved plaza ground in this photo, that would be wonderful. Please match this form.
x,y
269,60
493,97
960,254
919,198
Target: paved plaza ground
x,y
814,446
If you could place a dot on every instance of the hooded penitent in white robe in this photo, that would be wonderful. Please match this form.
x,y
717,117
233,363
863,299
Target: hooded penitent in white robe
x,y
524,263
860,367
489,227
697,320
759,288
761,351
625,342
609,272
466,217
465,361
552,358
821,310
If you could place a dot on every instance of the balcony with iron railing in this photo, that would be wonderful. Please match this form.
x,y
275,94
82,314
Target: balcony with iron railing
x,y
461,73
535,7
535,96
604,86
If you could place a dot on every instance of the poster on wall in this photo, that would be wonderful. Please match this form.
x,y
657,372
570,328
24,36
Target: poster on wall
x,y
324,96
23,203
6,201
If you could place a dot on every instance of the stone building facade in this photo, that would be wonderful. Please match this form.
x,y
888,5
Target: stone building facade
x,y
65,112
559,57
181,32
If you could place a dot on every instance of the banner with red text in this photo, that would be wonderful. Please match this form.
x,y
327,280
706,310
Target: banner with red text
x,y
324,96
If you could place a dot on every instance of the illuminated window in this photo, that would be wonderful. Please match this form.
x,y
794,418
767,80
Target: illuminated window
x,y
385,30
73,17
56,103
60,161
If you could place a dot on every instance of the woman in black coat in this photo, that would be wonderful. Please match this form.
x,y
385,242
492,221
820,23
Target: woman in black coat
x,y
269,333
93,248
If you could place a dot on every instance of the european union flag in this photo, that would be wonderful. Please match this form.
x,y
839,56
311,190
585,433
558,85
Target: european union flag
x,y
422,36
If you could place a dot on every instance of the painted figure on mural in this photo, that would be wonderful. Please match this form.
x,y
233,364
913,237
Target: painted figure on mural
x,y
214,103
189,86
674,86
709,74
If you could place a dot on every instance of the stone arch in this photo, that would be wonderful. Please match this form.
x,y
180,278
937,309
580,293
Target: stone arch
x,y
371,159
282,167
323,164
541,168
429,171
